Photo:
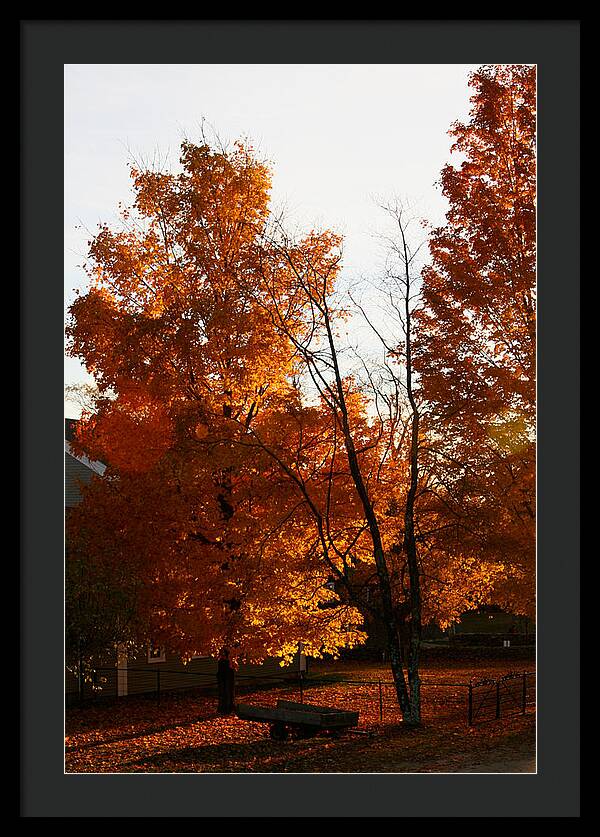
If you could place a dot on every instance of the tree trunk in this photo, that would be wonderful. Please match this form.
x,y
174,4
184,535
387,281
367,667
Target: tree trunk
x,y
410,547
225,686
394,651
225,672
413,715
385,588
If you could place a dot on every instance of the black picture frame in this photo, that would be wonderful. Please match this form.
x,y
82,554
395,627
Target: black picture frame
x,y
46,45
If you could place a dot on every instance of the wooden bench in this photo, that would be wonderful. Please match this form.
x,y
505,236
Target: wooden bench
x,y
298,720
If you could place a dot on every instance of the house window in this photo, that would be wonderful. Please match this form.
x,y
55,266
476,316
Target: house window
x,y
156,654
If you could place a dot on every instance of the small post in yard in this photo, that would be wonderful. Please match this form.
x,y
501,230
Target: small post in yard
x,y
380,702
497,699
301,689
80,680
470,707
158,685
523,708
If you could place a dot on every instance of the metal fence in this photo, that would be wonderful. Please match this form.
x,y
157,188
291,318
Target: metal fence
x,y
512,694
475,702
108,682
378,702
144,681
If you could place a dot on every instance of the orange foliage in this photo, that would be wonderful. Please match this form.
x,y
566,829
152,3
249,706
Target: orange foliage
x,y
475,347
180,330
227,496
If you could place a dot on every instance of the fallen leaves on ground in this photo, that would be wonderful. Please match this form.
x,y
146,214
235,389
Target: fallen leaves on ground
x,y
184,734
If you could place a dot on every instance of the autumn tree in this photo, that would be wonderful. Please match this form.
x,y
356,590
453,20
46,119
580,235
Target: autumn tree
x,y
475,350
363,488
186,358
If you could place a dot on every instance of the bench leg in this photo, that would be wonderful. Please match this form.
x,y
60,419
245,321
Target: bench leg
x,y
303,731
279,731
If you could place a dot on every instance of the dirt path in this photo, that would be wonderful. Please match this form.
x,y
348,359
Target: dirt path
x,y
519,758
526,765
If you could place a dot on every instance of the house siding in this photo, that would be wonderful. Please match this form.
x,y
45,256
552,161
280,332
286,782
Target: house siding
x,y
75,474
143,677
173,673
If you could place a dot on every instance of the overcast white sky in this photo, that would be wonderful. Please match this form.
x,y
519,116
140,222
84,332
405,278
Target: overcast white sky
x,y
338,136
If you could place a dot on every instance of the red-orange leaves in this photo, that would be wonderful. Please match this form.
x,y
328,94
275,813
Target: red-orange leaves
x,y
131,433
182,330
476,341
475,344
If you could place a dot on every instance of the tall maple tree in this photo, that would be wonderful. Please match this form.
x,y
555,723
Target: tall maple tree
x,y
475,348
186,358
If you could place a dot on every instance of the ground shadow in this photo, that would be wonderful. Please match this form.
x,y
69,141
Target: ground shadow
x,y
313,754
142,732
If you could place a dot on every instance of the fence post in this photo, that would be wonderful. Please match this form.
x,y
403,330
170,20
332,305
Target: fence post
x,y
158,685
301,689
470,709
80,682
380,702
524,692
497,699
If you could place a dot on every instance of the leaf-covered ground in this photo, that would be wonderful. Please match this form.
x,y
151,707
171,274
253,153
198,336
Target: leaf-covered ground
x,y
183,733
